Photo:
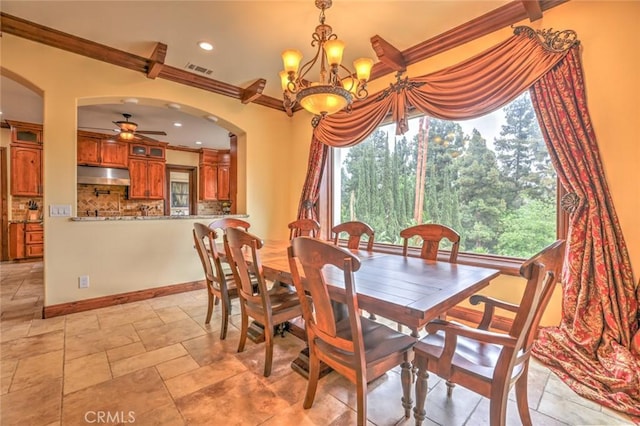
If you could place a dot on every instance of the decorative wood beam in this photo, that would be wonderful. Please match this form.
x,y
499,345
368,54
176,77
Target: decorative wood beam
x,y
254,91
156,62
388,54
533,9
58,39
497,19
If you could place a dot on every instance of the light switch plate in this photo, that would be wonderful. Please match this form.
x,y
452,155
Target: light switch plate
x,y
60,210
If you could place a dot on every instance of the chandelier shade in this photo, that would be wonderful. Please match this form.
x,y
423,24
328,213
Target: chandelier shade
x,y
336,87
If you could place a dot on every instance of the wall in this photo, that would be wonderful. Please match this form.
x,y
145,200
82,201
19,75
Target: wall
x,y
267,139
121,257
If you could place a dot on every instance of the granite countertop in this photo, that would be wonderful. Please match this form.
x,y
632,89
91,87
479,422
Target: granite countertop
x,y
129,218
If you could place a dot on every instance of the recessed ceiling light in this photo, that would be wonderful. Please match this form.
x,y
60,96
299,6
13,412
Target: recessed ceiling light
x,y
198,143
177,124
130,101
212,118
205,45
173,106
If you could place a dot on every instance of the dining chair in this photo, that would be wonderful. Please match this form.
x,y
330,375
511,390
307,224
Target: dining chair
x,y
431,235
229,222
355,230
356,347
304,227
220,286
488,362
268,306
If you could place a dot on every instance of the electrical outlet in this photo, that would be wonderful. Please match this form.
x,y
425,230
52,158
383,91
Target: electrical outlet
x,y
83,281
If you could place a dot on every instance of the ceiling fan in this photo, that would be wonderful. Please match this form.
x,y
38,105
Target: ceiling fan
x,y
128,130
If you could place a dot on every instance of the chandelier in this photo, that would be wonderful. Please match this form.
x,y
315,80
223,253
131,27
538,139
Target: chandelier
x,y
332,92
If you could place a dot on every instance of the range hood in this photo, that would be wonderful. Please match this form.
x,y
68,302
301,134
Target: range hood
x,y
103,176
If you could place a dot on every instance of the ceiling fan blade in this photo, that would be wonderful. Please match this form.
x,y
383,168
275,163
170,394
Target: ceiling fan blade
x,y
96,128
152,132
146,138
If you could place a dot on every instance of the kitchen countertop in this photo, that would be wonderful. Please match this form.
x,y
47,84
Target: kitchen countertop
x,y
129,218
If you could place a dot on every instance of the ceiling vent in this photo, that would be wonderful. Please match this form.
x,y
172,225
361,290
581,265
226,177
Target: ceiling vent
x,y
198,69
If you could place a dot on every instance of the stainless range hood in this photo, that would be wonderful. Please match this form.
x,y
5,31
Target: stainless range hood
x,y
103,176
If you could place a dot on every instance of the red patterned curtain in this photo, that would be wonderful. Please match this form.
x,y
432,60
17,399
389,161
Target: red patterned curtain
x,y
308,206
596,348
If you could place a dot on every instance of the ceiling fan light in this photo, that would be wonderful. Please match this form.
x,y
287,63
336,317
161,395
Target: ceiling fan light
x,y
128,126
126,135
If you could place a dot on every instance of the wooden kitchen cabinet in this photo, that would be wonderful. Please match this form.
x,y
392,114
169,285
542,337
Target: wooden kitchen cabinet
x,y
147,150
215,167
26,169
147,179
25,132
101,150
26,240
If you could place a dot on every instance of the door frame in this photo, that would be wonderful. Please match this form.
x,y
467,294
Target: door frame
x,y
193,195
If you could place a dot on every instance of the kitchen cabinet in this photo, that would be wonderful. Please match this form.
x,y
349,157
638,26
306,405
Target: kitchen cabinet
x,y
101,150
215,175
25,132
147,179
26,240
26,169
147,170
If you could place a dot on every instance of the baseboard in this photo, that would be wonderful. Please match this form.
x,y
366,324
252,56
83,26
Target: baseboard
x,y
473,316
118,299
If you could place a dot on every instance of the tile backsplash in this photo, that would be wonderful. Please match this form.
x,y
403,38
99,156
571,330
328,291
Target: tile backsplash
x,y
111,200
19,207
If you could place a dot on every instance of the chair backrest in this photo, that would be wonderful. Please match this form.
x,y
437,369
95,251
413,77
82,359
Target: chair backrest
x,y
239,243
229,222
315,256
355,230
204,239
542,271
431,234
304,227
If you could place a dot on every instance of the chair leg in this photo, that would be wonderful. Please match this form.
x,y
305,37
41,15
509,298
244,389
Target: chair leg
x,y
419,412
406,377
225,320
498,408
450,386
244,330
268,359
522,398
209,308
314,376
361,397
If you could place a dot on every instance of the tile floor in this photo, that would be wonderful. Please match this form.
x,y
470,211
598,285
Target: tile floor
x,y
155,362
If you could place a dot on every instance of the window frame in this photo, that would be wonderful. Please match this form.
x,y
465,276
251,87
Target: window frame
x,y
505,264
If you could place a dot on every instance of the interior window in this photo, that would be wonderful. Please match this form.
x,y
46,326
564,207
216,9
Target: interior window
x,y
489,178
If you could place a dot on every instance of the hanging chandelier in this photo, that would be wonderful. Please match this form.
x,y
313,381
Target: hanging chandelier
x,y
332,92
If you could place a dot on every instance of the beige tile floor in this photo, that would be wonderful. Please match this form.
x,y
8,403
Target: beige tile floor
x,y
155,362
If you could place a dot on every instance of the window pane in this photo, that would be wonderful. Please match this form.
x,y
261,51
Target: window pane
x,y
490,178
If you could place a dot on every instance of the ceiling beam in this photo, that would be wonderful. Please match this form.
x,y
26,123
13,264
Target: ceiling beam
x,y
58,39
156,61
497,19
388,54
254,91
533,9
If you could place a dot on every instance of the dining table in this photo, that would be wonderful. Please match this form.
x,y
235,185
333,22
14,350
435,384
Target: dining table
x,y
408,290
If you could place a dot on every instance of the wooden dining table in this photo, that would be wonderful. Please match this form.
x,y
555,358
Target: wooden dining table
x,y
408,290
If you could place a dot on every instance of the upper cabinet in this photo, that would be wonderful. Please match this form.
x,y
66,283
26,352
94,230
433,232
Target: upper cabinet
x,y
26,159
147,170
25,132
214,175
100,150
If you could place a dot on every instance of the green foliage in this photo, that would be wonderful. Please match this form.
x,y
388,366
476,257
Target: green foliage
x,y
501,201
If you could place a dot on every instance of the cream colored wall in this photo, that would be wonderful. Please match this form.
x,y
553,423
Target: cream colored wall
x,y
121,256
273,151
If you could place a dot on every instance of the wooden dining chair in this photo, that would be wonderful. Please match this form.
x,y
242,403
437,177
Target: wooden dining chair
x,y
356,347
229,222
269,307
355,230
220,286
304,227
431,235
484,361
